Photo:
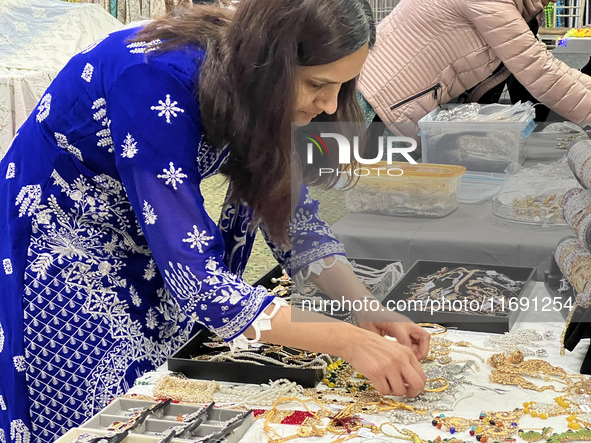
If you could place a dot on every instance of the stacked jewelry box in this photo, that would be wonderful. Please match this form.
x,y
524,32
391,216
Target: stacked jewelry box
x,y
573,254
155,428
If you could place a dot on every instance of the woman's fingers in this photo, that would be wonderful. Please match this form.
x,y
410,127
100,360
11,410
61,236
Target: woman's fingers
x,y
414,382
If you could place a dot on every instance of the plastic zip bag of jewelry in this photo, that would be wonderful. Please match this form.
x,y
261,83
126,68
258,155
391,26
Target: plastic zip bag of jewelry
x,y
560,135
471,112
534,195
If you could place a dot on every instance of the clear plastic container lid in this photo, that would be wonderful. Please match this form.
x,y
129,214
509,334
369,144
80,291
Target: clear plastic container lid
x,y
383,170
477,187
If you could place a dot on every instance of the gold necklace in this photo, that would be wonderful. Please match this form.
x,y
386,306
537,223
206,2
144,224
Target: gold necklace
x,y
185,390
517,380
405,434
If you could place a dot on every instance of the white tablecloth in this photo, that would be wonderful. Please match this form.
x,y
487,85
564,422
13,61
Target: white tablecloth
x,y
37,38
481,400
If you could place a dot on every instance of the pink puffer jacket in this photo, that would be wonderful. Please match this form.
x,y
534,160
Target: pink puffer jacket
x,y
430,51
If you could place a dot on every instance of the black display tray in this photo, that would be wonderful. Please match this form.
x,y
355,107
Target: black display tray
x,y
468,322
182,360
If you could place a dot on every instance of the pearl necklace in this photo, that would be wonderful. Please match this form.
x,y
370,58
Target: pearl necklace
x,y
252,357
258,395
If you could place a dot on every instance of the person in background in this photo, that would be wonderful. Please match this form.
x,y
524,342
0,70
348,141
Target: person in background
x,y
110,262
429,52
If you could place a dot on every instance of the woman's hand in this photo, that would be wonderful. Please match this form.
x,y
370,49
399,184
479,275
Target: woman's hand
x,y
402,328
391,367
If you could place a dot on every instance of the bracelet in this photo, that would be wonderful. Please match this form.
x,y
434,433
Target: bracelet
x,y
442,381
439,330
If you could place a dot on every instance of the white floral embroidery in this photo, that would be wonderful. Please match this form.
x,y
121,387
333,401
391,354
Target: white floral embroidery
x,y
149,216
2,436
129,146
19,363
150,271
99,103
135,298
104,135
143,47
1,348
225,286
64,144
151,321
29,198
197,239
167,108
19,432
11,170
93,45
171,312
7,266
173,175
2,404
87,72
81,254
43,108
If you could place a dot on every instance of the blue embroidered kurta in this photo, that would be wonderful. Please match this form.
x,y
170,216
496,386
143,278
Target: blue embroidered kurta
x,y
109,259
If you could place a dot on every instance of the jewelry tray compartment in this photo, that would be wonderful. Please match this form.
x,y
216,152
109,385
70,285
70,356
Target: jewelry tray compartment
x,y
119,410
461,320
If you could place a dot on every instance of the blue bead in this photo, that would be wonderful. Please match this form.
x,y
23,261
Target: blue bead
x,y
441,415
452,430
473,428
514,424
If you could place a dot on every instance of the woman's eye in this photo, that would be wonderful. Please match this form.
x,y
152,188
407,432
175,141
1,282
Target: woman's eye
x,y
315,86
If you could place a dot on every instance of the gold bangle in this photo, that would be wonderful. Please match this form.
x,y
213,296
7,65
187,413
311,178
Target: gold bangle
x,y
439,330
443,381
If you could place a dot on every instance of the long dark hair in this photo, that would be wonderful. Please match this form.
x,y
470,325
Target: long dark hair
x,y
247,85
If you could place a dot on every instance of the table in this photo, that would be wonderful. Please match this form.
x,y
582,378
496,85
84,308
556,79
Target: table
x,y
482,399
573,51
470,234
37,38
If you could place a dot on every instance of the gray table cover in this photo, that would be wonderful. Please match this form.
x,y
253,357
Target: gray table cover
x,y
471,234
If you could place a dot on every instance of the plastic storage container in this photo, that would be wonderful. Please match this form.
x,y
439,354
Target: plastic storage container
x,y
479,146
477,187
403,189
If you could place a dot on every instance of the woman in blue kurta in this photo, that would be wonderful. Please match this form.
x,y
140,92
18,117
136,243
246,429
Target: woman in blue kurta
x,y
109,260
